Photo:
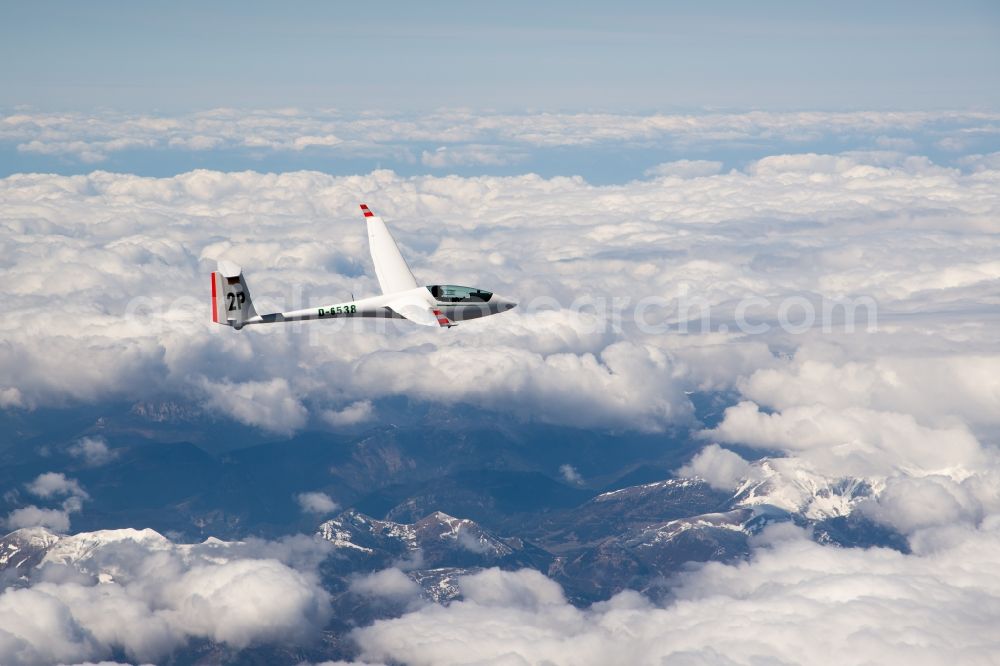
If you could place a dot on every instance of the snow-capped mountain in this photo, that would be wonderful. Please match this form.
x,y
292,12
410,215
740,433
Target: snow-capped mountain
x,y
437,540
629,537
84,547
441,585
104,554
788,485
24,549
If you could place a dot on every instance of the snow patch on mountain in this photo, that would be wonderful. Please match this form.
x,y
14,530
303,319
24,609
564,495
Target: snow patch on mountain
x,y
25,548
78,548
788,484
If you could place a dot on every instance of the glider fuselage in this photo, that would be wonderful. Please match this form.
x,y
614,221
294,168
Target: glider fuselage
x,y
432,305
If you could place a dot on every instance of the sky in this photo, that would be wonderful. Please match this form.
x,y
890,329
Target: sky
x,y
624,57
639,178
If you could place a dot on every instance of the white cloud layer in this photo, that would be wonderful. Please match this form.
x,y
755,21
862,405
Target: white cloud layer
x,y
104,281
105,285
106,291
466,137
136,592
794,602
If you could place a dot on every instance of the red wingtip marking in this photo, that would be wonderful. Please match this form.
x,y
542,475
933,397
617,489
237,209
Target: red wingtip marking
x,y
366,211
215,305
442,320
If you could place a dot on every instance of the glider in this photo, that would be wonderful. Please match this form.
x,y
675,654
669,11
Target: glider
x,y
402,298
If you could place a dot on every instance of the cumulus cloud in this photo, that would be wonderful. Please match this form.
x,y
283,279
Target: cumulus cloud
x,y
389,583
569,474
356,412
11,397
910,504
627,385
33,516
137,593
934,387
794,602
720,467
49,486
93,451
316,502
270,404
853,441
54,484
103,246
987,162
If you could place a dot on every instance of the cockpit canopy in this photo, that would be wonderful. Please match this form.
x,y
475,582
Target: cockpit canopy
x,y
450,293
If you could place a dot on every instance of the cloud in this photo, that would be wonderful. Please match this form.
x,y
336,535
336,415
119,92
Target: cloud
x,y
569,474
303,142
388,583
721,468
53,484
467,138
33,516
268,404
627,385
11,397
470,155
316,502
910,504
935,388
105,289
853,441
49,485
93,450
155,596
685,169
988,162
525,588
356,412
900,143
794,602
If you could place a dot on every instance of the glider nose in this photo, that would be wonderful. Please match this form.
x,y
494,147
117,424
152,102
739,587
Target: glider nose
x,y
504,304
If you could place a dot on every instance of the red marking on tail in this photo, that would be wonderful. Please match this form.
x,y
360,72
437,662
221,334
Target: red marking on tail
x,y
215,305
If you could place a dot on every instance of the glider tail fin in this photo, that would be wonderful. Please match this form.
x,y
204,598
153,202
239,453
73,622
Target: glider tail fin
x,y
231,304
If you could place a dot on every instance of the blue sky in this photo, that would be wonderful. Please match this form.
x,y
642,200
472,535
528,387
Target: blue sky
x,y
515,56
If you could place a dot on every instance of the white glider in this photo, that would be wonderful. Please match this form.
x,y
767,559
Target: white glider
x,y
402,298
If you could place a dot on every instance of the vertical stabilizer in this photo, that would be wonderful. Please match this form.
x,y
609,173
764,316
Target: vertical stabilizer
x,y
231,303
